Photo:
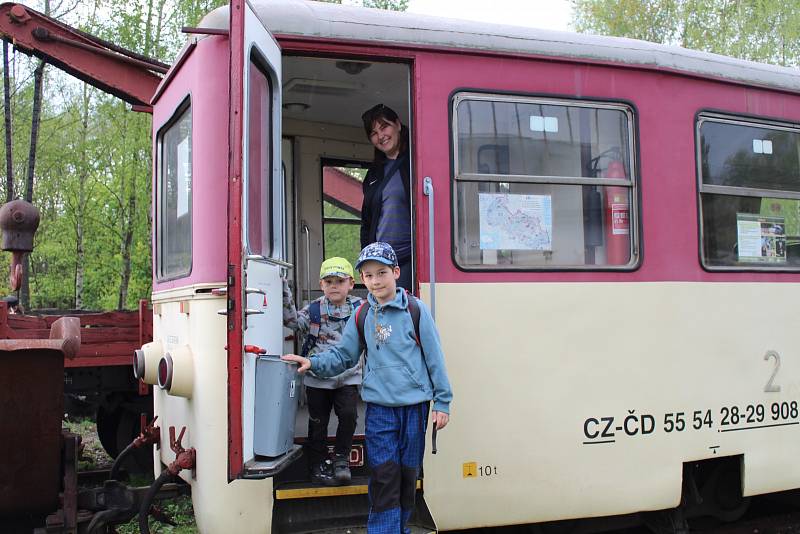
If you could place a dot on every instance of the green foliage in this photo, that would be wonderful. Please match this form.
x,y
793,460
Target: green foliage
x,y
341,239
92,181
93,167
766,31
179,510
392,5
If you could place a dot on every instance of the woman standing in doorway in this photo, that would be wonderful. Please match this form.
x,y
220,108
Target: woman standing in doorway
x,y
386,212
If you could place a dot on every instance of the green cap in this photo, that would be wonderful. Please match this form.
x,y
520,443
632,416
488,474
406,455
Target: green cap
x,y
336,267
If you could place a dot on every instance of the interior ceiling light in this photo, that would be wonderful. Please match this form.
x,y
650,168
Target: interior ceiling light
x,y
352,67
321,86
296,107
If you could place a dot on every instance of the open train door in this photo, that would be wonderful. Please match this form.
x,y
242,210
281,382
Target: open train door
x,y
256,256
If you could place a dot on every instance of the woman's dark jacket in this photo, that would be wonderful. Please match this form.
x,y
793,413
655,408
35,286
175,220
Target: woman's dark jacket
x,y
374,184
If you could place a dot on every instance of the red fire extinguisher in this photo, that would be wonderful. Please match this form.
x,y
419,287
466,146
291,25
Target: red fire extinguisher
x,y
618,222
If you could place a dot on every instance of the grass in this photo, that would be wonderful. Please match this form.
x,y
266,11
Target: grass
x,y
179,510
91,455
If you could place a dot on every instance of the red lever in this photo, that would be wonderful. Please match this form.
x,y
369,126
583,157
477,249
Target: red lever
x,y
184,458
150,433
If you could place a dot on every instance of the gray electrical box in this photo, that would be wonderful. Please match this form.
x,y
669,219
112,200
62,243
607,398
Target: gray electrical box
x,y
277,391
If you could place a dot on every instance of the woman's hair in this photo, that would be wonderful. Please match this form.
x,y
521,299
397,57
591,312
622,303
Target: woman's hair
x,y
384,114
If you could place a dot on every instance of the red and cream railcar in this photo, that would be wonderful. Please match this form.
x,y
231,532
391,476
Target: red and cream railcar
x,y
607,230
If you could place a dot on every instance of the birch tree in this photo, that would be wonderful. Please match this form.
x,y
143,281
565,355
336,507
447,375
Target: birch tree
x,y
767,31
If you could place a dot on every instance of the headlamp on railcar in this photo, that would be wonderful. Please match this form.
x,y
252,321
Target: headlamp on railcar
x,y
176,372
145,362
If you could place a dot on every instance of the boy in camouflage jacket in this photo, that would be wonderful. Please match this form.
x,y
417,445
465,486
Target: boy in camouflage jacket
x,y
340,392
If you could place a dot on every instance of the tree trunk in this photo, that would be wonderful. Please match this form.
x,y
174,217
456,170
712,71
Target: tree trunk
x,y
7,108
80,210
36,115
125,249
150,43
148,29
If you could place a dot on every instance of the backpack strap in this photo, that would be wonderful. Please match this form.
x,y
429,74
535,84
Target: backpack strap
x,y
363,310
315,319
413,309
361,316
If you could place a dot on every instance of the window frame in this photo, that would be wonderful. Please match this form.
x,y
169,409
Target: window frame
x,y
336,162
716,116
460,95
184,106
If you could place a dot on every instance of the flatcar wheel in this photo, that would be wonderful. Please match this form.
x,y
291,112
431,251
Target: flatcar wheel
x,y
128,428
107,424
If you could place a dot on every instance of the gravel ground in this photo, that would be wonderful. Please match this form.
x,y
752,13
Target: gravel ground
x,y
91,456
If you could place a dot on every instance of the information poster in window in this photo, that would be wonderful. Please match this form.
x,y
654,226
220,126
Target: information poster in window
x,y
515,222
761,239
183,177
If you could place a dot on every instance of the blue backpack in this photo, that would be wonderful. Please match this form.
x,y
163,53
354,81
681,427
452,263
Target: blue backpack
x,y
315,320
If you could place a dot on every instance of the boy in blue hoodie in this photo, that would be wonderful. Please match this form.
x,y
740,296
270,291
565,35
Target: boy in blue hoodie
x,y
401,376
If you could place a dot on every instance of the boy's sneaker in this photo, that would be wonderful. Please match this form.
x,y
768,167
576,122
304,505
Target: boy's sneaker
x,y
322,473
341,470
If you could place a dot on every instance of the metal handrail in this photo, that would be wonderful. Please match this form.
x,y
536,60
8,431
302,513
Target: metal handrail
x,y
307,231
427,188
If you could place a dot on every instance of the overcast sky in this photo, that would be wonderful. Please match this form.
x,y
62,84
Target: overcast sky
x,y
551,14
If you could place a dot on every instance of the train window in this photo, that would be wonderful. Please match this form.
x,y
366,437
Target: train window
x,y
259,162
342,197
543,183
174,216
749,174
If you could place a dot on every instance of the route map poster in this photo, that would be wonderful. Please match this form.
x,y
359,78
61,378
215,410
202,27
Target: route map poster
x,y
515,222
761,239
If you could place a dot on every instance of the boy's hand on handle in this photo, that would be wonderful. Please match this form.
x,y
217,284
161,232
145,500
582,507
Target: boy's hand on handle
x,y
305,363
440,419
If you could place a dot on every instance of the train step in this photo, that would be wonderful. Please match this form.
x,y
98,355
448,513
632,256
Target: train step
x,y
307,490
303,507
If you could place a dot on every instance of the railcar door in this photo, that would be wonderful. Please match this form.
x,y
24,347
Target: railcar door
x,y
256,251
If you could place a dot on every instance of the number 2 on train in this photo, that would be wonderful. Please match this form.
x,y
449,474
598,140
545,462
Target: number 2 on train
x,y
770,387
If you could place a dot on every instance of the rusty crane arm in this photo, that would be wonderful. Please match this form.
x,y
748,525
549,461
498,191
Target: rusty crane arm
x,y
115,70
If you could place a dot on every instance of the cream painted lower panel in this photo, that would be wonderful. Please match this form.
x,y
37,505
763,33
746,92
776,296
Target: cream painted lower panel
x,y
531,363
242,506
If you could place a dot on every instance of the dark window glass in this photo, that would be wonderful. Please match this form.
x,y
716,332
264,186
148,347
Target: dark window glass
x,y
259,174
751,231
759,228
542,225
535,139
175,205
739,155
567,202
